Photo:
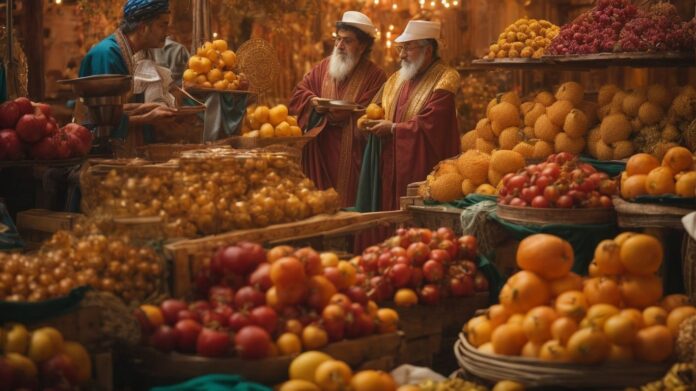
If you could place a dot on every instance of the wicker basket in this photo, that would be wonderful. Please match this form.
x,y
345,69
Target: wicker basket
x,y
536,373
242,142
541,216
166,152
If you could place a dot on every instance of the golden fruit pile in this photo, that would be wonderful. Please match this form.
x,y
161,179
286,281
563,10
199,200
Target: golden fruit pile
x,y
473,172
211,191
213,67
315,370
372,112
618,314
42,357
525,38
262,121
65,262
645,175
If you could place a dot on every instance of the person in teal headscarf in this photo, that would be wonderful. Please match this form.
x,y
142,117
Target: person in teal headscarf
x,y
144,26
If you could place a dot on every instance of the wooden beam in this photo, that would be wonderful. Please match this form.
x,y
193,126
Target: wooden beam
x,y
32,32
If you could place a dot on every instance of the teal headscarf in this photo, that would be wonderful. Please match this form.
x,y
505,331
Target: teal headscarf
x,y
139,10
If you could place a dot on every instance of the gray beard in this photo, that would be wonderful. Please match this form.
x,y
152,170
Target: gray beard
x,y
410,69
341,65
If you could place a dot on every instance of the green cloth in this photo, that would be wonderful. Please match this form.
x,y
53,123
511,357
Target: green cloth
x,y
9,237
215,382
612,168
583,238
370,182
462,203
495,279
36,311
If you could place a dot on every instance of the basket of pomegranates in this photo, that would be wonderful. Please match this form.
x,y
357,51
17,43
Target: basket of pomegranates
x,y
561,189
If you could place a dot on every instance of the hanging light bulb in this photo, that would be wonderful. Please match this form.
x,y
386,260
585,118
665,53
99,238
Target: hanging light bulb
x,y
432,3
455,3
376,2
389,34
214,34
389,44
59,1
391,27
394,6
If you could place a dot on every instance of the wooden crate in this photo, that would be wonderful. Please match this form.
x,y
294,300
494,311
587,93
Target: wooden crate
x,y
434,217
37,225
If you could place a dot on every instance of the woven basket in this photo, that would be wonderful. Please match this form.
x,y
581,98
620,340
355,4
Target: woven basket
x,y
540,216
166,152
537,373
242,142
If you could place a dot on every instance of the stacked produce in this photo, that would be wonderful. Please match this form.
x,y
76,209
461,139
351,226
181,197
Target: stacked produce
x,y
525,38
29,129
477,89
560,182
679,378
317,371
650,120
213,67
619,26
472,172
645,175
66,261
210,191
262,304
418,265
615,315
41,359
262,121
372,112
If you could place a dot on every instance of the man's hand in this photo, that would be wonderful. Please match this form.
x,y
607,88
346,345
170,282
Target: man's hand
x,y
132,109
315,103
380,127
159,113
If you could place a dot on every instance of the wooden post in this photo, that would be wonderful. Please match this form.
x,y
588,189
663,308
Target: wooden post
x,y
201,24
32,34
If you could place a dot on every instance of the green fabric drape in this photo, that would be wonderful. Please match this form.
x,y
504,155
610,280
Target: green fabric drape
x,y
469,200
610,167
495,279
9,236
368,199
215,382
583,238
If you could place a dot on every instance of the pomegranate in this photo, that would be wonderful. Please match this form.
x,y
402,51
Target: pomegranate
x,y
24,105
9,115
10,145
31,127
164,338
45,108
45,149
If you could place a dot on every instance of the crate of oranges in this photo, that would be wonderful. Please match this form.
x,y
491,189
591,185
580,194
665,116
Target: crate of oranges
x,y
213,68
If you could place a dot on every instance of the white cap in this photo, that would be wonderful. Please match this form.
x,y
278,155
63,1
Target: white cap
x,y
419,29
359,21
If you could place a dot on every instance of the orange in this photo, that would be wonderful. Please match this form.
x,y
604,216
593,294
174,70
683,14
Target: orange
x,y
486,348
621,238
570,282
641,163
641,291
677,316
588,346
678,159
517,319
524,291
654,344
602,290
531,350
295,131
654,315
479,332
634,186
267,130
498,315
641,254
200,79
620,329
673,301
205,65
553,351
368,380
563,328
537,324
212,55
298,385
660,181
215,75
635,316
304,366
292,120
262,114
221,84
154,315
283,130
686,185
220,45
314,337
608,259
278,114
333,375
272,298
388,320
374,112
207,84
405,297
546,255
620,354
190,75
508,339
572,304
289,344
598,314
593,269
230,76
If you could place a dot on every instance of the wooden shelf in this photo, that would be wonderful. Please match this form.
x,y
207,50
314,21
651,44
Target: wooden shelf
x,y
599,60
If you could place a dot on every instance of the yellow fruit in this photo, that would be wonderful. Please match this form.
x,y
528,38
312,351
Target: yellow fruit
x,y
632,102
289,344
534,112
606,94
16,339
23,366
278,114
79,356
447,187
298,385
474,165
484,146
190,75
484,130
525,149
575,124
374,111
333,375
650,113
468,141
220,45
508,385
686,185
485,189
43,345
253,133
262,114
623,149
545,130
214,75
542,150
292,120
616,103
200,79
468,187
196,65
230,76
615,127
494,177
504,115
604,151
295,131
590,110
506,161
509,138
305,365
571,91
511,97
659,95
283,130
558,111
545,98
267,130
660,181
207,84
221,84
633,186
205,65
563,143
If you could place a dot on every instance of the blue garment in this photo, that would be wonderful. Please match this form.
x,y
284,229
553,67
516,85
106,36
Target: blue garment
x,y
3,84
139,10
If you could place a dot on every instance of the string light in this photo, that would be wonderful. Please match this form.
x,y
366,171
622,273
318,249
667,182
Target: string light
x,y
394,6
389,44
59,1
214,34
391,27
389,34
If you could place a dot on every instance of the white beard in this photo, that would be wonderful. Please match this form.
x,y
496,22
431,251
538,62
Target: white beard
x,y
410,69
341,65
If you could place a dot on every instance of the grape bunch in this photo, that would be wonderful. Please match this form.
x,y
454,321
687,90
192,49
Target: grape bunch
x,y
658,29
595,31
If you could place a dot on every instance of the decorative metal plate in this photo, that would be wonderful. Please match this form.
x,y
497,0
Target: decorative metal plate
x,y
258,60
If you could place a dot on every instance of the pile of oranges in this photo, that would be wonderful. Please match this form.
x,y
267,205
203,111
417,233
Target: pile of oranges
x,y
618,314
212,67
645,175
262,121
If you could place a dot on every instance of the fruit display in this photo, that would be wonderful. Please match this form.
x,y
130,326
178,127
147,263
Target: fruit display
x,y
445,385
476,90
262,121
418,265
206,192
213,66
562,181
258,304
620,26
317,371
29,130
41,359
645,175
372,112
67,261
617,314
679,378
525,38
650,120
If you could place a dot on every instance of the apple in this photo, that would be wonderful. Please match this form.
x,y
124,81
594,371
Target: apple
x,y
164,338
187,335
171,309
212,343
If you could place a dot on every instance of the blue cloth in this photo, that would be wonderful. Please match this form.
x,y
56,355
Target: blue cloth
x,y
139,10
215,382
3,84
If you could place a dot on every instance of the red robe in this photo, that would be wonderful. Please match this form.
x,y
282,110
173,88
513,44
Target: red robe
x,y
333,158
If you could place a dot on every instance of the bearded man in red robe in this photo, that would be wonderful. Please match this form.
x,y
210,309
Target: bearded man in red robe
x,y
333,158
420,128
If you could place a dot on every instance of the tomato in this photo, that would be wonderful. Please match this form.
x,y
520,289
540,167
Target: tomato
x,y
400,275
265,317
506,178
248,297
540,202
291,295
563,157
368,262
468,247
332,274
587,185
214,319
551,193
361,323
450,247
279,252
480,282
212,343
239,320
311,261
418,252
430,294
252,342
528,193
384,261
564,201
461,286
164,338
341,300
518,202
59,370
440,255
171,308
261,277
416,277
187,336
348,274
381,290
221,294
433,271
357,294
235,259
187,314
552,170
542,182
516,182
445,233
320,292
288,271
